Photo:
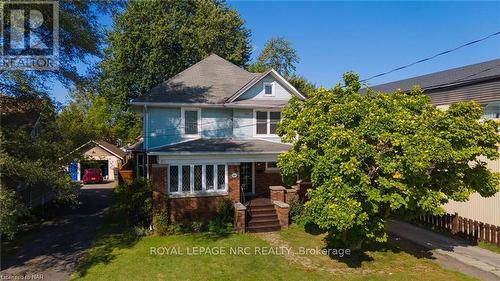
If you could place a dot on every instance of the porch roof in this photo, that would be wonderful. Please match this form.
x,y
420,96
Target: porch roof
x,y
223,146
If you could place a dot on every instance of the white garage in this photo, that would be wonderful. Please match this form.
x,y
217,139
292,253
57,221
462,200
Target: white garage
x,y
98,154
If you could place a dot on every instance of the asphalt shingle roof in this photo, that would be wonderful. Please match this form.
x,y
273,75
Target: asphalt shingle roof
x,y
111,147
212,146
212,80
450,77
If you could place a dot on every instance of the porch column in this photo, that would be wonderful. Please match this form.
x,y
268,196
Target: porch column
x,y
234,181
159,182
277,193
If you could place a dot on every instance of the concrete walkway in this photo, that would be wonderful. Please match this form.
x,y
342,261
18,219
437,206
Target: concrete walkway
x,y
467,254
57,247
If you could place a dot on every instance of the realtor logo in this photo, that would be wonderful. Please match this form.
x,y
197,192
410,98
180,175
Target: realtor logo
x,y
30,35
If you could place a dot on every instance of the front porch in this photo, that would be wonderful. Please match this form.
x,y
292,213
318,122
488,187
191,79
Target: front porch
x,y
195,176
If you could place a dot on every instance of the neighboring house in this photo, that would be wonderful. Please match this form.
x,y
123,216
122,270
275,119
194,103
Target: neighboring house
x,y
107,156
210,133
479,82
17,114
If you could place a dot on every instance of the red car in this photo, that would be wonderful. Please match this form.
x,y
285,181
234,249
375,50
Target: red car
x,y
92,176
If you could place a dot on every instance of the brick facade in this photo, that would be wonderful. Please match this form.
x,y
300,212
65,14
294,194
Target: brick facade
x,y
234,182
159,182
264,179
188,209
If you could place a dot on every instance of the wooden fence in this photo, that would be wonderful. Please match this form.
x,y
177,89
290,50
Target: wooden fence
x,y
467,227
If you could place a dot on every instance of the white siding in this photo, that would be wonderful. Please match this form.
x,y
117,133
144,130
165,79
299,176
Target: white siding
x,y
478,208
256,92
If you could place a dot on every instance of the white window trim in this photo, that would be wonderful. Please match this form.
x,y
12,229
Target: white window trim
x,y
268,122
204,190
183,122
273,89
271,169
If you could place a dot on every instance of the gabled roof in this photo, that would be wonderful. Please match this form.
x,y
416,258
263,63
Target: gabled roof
x,y
223,146
447,78
111,148
276,76
211,81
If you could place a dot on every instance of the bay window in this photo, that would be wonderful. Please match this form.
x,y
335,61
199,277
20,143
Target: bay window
x,y
197,178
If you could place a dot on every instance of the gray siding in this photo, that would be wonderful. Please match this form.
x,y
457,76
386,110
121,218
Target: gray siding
x,y
482,92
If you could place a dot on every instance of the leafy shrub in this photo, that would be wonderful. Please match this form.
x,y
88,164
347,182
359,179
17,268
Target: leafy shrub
x,y
298,213
197,226
141,231
174,228
161,224
218,226
11,210
225,211
135,201
223,221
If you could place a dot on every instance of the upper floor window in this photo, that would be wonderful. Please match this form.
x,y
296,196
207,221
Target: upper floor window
x,y
268,89
267,122
191,121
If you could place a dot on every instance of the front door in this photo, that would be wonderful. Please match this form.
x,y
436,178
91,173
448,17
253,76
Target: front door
x,y
246,177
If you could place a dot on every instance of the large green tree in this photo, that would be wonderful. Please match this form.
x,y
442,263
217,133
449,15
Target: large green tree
x,y
153,40
80,37
36,162
372,155
279,54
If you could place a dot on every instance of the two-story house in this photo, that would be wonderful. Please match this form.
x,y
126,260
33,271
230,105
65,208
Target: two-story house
x,y
210,133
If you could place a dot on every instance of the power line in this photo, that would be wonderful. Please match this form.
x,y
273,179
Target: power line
x,y
432,57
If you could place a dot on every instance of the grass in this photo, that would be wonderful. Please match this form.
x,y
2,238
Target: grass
x,y
489,246
117,254
382,261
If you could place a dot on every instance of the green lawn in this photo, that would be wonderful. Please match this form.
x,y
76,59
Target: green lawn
x,y
118,255
489,246
383,261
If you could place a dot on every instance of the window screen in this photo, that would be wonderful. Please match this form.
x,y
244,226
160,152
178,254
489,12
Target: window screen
x,y
262,122
174,178
221,176
197,178
268,89
191,122
209,177
186,178
274,118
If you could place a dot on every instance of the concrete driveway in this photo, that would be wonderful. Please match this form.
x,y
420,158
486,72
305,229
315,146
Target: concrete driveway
x,y
56,249
451,253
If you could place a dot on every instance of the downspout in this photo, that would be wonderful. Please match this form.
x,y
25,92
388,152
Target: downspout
x,y
146,137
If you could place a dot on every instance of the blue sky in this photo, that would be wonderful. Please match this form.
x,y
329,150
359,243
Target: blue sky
x,y
369,37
